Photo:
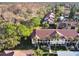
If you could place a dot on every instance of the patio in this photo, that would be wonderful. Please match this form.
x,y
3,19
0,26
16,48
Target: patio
x,y
58,45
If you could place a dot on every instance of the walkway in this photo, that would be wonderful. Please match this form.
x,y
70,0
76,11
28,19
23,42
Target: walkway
x,y
17,53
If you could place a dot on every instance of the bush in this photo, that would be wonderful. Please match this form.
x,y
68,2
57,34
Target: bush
x,y
36,21
38,52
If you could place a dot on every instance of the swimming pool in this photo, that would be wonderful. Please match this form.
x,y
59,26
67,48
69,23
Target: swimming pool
x,y
68,53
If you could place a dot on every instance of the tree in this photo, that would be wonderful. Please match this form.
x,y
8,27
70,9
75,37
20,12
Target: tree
x,y
49,8
23,30
8,36
41,12
72,12
38,52
59,9
36,21
77,9
11,34
27,23
44,10
45,25
29,11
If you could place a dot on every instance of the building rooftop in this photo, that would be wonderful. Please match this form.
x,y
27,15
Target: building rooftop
x,y
43,33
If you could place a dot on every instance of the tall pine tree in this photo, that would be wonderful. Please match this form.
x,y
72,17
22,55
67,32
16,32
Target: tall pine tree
x,y
72,12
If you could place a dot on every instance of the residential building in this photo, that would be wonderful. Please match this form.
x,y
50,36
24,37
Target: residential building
x,y
67,24
49,18
52,36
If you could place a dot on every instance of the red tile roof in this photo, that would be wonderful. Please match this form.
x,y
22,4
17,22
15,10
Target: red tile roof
x,y
68,32
43,33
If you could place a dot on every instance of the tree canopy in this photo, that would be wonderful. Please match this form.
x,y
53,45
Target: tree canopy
x,y
59,9
38,52
23,30
36,21
72,12
10,34
9,37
